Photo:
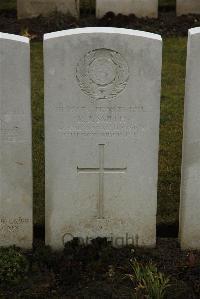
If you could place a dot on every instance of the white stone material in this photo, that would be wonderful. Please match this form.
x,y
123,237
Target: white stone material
x,y
102,107
34,8
184,7
190,187
15,142
140,8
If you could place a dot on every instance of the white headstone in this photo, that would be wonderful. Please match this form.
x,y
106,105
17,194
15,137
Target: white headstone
x,y
184,7
190,188
15,142
102,99
140,8
34,8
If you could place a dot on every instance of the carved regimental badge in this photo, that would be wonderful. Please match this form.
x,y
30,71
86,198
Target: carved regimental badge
x,y
102,74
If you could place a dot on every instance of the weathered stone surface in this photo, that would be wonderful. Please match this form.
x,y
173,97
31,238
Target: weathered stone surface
x,y
184,7
34,8
15,142
102,99
141,8
190,187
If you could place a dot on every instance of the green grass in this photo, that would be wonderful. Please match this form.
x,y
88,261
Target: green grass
x,y
147,281
172,100
38,130
167,3
170,130
8,4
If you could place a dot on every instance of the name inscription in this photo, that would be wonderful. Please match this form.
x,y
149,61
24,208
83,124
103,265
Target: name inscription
x,y
12,224
99,121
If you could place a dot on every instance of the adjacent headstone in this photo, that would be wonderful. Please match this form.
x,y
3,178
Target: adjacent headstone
x,y
190,187
102,99
15,142
35,8
184,7
140,8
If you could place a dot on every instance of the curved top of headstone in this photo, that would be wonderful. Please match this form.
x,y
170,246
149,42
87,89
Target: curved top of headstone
x,y
14,37
193,31
109,30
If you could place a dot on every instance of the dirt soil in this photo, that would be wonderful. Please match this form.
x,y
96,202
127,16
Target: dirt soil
x,y
100,271
167,24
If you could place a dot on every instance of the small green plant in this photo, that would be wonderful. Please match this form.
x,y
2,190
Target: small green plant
x,y
13,266
148,282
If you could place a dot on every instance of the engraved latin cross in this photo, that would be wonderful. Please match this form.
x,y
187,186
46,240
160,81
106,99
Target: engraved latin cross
x,y
101,171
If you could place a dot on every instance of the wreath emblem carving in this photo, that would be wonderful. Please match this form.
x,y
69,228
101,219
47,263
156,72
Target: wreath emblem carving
x,y
102,74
